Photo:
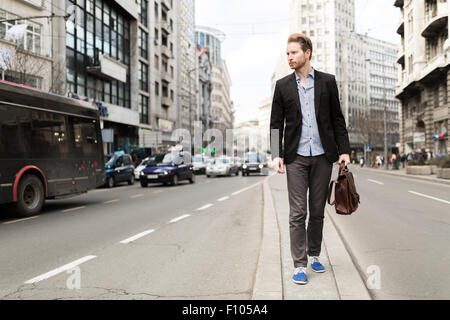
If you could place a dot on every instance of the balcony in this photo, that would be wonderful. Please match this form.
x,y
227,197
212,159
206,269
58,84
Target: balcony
x,y
401,57
436,20
108,68
165,101
166,26
167,4
166,51
165,75
401,28
398,3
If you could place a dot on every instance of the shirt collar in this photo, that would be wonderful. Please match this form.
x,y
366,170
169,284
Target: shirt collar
x,y
311,74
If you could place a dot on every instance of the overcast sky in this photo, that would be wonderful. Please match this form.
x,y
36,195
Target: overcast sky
x,y
256,33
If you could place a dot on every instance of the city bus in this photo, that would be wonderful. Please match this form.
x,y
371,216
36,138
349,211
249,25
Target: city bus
x,y
50,148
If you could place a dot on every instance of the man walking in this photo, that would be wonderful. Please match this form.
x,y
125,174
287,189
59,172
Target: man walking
x,y
306,111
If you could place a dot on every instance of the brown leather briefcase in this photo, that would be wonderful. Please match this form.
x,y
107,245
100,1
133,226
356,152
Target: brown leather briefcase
x,y
346,199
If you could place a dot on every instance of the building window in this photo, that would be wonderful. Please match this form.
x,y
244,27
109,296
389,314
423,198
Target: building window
x,y
156,62
100,30
32,40
156,88
143,109
143,76
143,43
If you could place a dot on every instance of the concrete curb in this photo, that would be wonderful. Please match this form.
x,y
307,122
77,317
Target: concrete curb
x,y
409,176
268,282
349,283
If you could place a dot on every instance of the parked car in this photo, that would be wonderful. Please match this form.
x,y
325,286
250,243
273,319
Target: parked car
x,y
222,166
175,167
199,162
255,162
118,169
149,161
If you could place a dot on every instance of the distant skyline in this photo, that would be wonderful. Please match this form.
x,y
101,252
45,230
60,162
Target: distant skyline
x,y
256,33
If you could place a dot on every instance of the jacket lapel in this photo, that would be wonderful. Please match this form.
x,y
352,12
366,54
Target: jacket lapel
x,y
317,91
294,92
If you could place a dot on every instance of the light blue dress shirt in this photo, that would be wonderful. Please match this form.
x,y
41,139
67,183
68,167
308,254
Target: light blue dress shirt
x,y
310,144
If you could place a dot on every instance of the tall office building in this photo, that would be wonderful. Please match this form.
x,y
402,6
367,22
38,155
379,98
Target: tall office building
x,y
222,111
424,75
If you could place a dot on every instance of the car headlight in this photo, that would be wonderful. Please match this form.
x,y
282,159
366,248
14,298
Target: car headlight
x,y
142,173
244,166
261,166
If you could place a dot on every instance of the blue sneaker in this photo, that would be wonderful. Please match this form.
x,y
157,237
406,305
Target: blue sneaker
x,y
316,266
299,276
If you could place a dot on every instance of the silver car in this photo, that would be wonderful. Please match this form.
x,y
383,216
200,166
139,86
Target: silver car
x,y
222,166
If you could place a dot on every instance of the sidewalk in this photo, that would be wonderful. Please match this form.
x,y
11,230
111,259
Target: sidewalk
x,y
402,173
341,281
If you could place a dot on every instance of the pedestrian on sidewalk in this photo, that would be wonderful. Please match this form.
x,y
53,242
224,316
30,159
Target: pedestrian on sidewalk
x,y
312,143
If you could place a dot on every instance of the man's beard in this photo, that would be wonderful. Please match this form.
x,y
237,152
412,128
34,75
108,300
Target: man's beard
x,y
299,65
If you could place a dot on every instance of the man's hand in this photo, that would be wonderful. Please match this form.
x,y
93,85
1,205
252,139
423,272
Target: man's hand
x,y
345,158
278,165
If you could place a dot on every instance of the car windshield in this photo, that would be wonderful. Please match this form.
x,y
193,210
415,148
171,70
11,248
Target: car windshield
x,y
220,161
153,160
112,160
253,157
170,157
198,159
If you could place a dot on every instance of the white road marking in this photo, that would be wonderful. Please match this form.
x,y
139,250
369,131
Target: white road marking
x,y
111,201
136,196
74,209
134,238
205,207
180,218
64,268
20,220
375,181
429,197
223,199
245,189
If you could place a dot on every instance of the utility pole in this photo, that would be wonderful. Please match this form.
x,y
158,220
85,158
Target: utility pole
x,y
386,162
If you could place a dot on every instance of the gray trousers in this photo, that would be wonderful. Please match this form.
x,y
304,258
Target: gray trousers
x,y
313,173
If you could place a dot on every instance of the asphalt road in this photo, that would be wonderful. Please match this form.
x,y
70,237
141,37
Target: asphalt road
x,y
401,229
191,241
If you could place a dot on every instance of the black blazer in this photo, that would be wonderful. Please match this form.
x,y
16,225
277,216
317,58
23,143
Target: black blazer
x,y
286,118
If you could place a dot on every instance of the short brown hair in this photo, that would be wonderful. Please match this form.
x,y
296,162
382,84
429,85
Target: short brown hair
x,y
303,40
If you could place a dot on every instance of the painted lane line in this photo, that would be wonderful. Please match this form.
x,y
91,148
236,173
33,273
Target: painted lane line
x,y
20,220
64,268
245,189
74,209
136,196
180,218
111,201
205,207
429,197
375,181
134,238
158,191
223,199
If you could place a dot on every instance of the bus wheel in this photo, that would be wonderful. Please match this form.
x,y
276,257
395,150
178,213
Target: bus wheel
x,y
30,197
111,182
131,181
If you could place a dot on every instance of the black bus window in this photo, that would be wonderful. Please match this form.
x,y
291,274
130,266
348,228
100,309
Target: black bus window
x,y
85,136
49,135
15,132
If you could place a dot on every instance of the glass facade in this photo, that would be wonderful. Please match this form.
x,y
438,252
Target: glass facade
x,y
99,28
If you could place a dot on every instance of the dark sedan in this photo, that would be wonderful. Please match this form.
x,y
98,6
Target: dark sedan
x,y
255,163
174,167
